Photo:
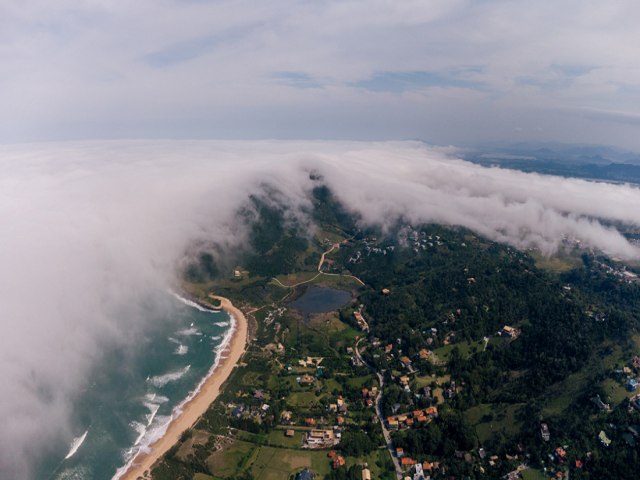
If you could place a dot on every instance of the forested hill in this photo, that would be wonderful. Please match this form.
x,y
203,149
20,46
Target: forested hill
x,y
499,344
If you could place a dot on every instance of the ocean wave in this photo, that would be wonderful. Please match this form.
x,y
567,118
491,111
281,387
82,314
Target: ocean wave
x,y
73,473
161,380
75,445
193,304
221,324
153,434
181,350
187,332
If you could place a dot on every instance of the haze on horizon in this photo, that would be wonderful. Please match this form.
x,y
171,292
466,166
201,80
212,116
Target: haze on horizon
x,y
457,72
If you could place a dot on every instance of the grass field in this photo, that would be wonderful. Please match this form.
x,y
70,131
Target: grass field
x,y
490,419
533,474
279,463
231,459
443,353
558,263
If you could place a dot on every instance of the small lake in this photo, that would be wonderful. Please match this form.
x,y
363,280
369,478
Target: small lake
x,y
321,300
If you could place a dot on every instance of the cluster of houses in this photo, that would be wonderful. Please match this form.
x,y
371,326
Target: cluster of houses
x,y
408,420
369,395
421,470
362,323
631,382
418,241
370,247
253,412
621,274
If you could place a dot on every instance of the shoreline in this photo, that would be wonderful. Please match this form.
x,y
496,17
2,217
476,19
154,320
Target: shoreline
x,y
195,407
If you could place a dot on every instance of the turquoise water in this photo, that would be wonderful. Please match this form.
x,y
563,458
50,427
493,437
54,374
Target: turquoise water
x,y
132,393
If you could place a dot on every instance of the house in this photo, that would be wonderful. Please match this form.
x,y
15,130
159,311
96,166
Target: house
x,y
366,473
340,420
561,454
422,419
258,395
424,354
338,462
406,361
392,423
407,462
306,379
600,404
606,441
305,474
289,433
544,432
386,291
362,323
632,385
399,452
285,416
388,348
369,402
320,438
310,421
404,380
431,412
509,332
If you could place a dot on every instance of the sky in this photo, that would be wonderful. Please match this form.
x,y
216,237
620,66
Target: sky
x,y
456,72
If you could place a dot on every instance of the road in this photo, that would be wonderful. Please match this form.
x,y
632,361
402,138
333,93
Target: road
x,y
320,272
378,402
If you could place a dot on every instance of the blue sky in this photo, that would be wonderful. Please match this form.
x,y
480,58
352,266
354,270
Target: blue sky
x,y
447,71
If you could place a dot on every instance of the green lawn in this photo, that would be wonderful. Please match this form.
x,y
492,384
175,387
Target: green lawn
x,y
491,419
534,474
231,459
279,463
444,352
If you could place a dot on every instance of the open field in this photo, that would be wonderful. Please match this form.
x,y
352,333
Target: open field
x,y
489,419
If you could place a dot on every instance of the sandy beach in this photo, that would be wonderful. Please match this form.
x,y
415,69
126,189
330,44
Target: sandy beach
x,y
193,409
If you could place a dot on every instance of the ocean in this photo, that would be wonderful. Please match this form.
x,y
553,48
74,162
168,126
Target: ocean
x,y
133,392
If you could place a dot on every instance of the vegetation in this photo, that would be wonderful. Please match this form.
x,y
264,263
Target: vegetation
x,y
437,300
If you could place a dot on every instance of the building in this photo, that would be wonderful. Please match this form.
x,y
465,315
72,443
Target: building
x,y
406,361
509,332
362,323
544,432
306,379
407,462
366,473
320,438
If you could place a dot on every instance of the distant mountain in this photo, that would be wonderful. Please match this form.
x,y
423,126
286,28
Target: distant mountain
x,y
590,162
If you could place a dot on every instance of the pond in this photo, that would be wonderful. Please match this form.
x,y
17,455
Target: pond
x,y
321,300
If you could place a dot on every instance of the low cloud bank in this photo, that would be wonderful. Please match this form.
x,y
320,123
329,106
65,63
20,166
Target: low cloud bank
x,y
90,230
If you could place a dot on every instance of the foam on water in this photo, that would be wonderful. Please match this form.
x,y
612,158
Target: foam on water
x,y
75,445
193,304
161,380
181,350
187,332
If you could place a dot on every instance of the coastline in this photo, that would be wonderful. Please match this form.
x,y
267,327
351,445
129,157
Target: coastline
x,y
194,407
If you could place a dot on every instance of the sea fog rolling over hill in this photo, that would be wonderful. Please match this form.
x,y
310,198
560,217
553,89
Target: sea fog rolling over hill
x,y
93,229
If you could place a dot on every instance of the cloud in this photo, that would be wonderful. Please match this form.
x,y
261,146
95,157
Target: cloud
x,y
223,69
91,230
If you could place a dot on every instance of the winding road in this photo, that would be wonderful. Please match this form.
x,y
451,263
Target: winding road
x,y
320,272
385,432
